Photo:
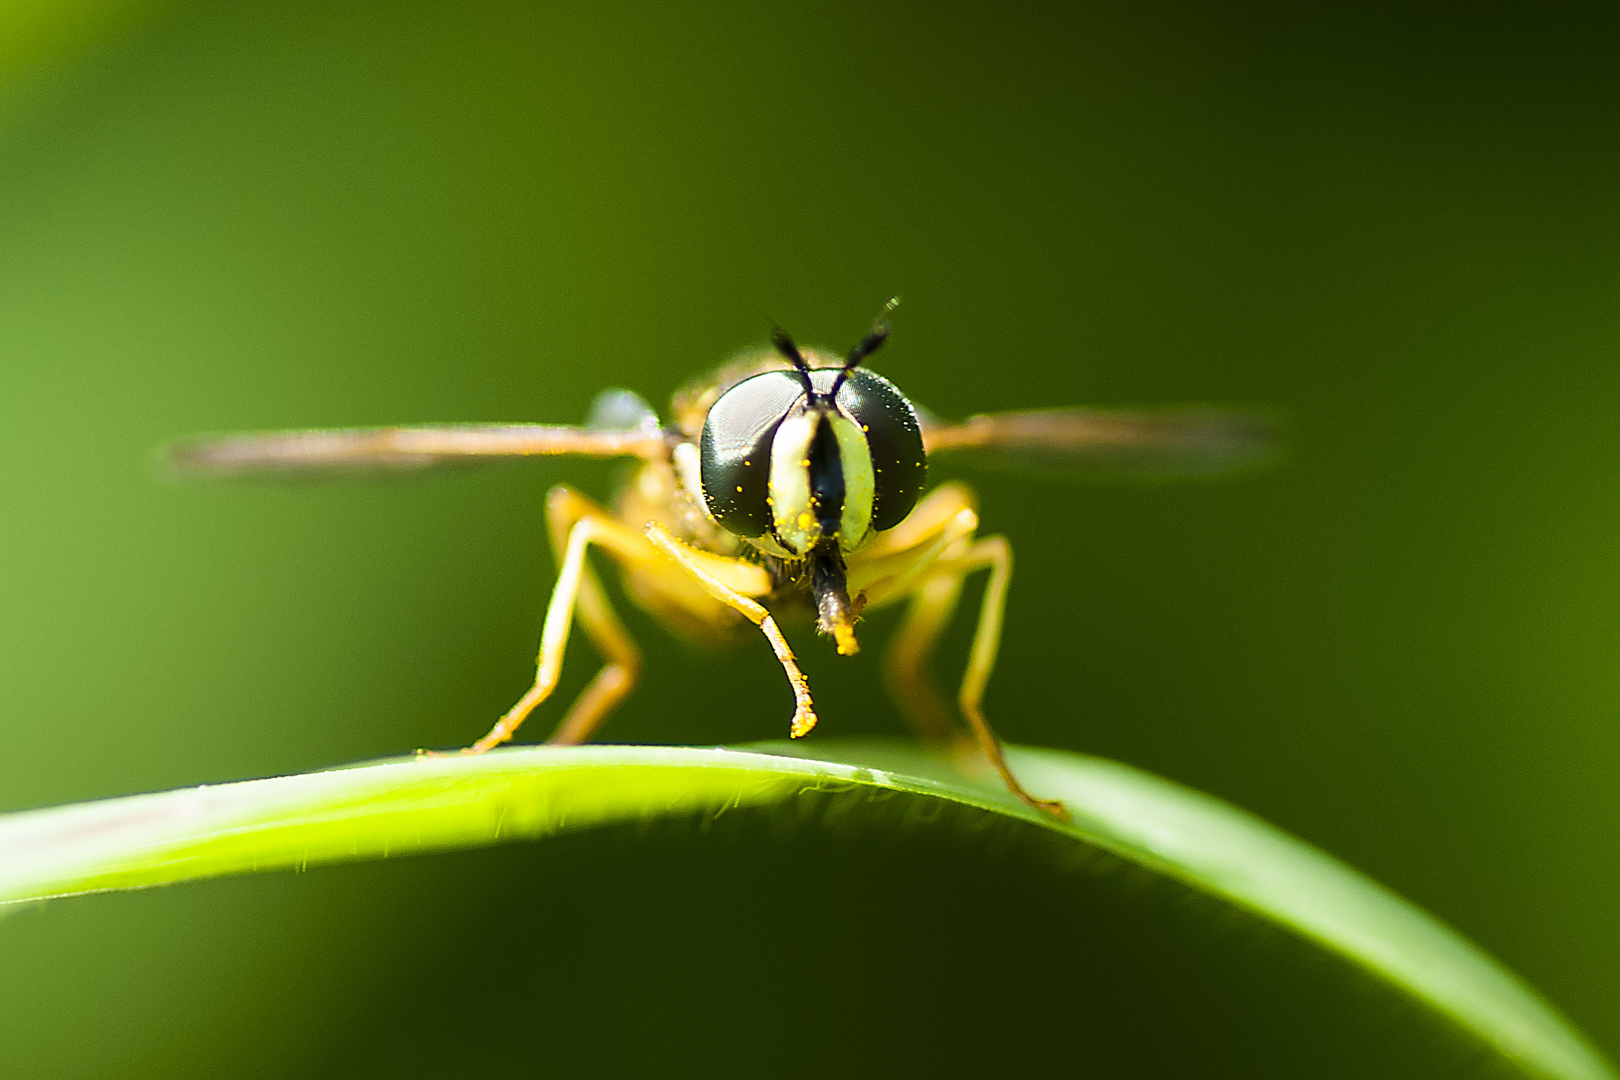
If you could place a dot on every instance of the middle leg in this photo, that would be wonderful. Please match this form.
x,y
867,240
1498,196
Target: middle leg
x,y
906,661
993,553
928,568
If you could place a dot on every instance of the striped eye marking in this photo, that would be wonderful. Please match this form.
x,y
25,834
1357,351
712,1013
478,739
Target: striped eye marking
x,y
790,463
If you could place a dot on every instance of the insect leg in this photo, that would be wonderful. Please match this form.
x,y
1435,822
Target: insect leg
x,y
616,679
931,518
804,716
928,563
583,523
887,569
901,564
565,507
933,602
995,553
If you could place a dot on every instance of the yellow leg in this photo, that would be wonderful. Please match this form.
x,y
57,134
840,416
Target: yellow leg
x,y
931,517
995,553
887,568
613,683
925,560
582,523
699,565
900,564
906,661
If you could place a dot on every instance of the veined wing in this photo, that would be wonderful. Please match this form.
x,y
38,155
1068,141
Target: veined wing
x,y
397,447
1165,443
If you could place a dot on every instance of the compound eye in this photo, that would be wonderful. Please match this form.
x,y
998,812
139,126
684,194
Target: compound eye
x,y
735,451
899,465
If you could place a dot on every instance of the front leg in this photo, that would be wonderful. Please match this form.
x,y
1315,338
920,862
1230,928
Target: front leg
x,y
575,584
690,560
576,525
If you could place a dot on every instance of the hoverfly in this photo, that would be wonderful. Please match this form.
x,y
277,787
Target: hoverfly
x,y
787,479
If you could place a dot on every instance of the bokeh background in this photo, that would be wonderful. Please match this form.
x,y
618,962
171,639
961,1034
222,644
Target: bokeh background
x,y
1395,223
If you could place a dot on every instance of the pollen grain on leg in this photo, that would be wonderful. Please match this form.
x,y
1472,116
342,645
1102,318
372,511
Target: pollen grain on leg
x,y
804,719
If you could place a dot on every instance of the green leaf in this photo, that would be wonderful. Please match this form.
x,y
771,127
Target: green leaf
x,y
437,803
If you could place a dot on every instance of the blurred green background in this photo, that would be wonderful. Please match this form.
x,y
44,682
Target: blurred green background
x,y
1397,223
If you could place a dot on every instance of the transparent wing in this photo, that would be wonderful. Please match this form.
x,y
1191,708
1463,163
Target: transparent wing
x,y
397,447
1165,443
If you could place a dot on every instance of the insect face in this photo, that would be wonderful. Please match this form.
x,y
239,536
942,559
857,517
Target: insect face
x,y
824,459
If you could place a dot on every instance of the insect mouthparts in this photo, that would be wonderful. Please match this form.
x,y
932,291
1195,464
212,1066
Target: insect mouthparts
x,y
835,614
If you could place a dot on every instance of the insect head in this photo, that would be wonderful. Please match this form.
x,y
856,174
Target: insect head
x,y
810,464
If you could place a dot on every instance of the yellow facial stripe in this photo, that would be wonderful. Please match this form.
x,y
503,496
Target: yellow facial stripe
x,y
790,483
860,484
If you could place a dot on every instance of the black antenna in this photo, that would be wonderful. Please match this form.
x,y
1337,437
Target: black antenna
x,y
866,346
785,346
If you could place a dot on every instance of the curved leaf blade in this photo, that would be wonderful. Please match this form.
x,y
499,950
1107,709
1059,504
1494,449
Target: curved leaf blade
x,y
430,804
